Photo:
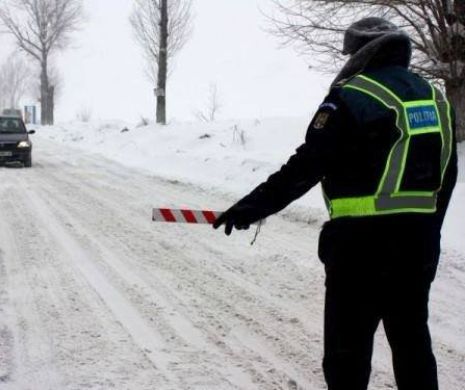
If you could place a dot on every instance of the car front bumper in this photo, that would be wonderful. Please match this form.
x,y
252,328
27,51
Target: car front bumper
x,y
13,155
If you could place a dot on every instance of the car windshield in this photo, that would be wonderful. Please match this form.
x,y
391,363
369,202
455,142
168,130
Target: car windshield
x,y
11,125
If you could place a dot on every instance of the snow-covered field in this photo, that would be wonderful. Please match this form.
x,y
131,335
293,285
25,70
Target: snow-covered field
x,y
93,295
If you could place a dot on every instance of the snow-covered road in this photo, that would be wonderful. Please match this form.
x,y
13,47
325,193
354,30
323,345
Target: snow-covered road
x,y
93,295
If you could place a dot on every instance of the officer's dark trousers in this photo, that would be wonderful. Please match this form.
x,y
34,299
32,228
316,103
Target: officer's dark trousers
x,y
378,275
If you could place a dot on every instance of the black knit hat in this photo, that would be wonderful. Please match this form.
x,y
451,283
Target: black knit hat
x,y
362,32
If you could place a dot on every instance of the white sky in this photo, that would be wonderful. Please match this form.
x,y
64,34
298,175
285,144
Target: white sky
x,y
104,68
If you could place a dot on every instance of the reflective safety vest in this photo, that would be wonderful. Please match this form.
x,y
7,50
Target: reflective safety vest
x,y
414,119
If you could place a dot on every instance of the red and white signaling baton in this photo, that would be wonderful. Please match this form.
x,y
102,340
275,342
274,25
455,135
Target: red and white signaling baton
x,y
206,217
201,217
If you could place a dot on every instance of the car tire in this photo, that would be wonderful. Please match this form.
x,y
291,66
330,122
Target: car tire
x,y
28,161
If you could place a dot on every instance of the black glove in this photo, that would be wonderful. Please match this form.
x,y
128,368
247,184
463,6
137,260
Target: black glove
x,y
239,216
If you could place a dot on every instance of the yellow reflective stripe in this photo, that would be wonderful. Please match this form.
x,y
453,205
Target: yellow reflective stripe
x,y
387,90
425,130
366,91
447,130
414,194
384,212
400,173
419,103
451,137
372,205
424,202
441,125
353,206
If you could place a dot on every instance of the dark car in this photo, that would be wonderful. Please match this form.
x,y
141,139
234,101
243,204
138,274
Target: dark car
x,y
15,145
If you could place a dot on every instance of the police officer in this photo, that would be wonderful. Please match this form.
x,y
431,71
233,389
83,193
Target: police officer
x,y
382,145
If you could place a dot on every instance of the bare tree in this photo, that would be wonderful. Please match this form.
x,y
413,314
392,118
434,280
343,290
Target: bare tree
x,y
213,106
437,29
55,80
162,28
15,80
40,28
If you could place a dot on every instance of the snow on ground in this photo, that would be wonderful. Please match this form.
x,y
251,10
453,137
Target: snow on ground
x,y
93,295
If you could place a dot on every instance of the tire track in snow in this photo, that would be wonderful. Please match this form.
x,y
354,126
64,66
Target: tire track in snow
x,y
215,250
175,319
6,335
148,341
90,348
33,352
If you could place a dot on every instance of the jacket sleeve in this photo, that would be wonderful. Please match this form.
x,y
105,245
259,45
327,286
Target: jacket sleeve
x,y
305,168
450,180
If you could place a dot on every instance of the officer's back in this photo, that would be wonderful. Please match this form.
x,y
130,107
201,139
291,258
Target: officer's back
x,y
364,145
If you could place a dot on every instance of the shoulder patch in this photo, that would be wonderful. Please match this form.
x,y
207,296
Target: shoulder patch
x,y
320,120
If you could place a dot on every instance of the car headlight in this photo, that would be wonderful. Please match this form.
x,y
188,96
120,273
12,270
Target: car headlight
x,y
24,144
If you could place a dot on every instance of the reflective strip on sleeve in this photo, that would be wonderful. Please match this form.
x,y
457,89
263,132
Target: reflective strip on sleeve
x,y
447,132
